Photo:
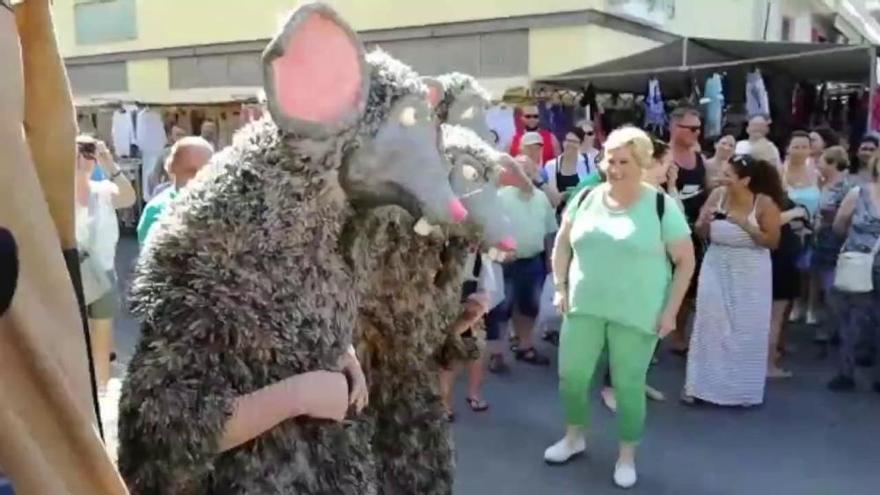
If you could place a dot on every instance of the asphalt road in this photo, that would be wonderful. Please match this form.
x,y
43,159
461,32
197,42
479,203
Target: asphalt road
x,y
803,441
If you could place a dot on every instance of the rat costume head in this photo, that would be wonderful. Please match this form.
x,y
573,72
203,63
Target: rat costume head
x,y
329,98
477,168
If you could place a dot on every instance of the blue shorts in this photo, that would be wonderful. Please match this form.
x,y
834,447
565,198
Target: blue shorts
x,y
523,282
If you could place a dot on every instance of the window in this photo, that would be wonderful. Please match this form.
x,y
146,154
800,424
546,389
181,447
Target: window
x,y
650,11
105,21
785,32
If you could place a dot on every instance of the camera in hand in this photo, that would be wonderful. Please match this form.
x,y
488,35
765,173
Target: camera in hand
x,y
87,149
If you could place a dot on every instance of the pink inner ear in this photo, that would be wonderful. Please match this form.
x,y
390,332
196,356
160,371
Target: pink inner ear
x,y
319,76
433,95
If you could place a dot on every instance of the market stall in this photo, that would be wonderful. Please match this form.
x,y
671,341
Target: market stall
x,y
800,85
136,127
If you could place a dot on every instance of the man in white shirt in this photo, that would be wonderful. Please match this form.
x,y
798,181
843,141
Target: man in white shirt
x,y
758,129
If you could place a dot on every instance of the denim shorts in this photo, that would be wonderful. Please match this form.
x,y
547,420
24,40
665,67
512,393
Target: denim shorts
x,y
523,282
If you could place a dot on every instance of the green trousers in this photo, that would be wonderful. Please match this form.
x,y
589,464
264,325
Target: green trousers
x,y
630,349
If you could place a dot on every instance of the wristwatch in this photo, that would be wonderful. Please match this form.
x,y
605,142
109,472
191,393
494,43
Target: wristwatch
x,y
539,183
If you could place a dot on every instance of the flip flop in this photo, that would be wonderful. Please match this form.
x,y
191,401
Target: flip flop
x,y
477,405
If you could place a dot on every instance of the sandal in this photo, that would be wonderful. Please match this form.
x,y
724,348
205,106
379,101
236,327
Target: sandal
x,y
477,405
551,336
514,343
497,364
531,356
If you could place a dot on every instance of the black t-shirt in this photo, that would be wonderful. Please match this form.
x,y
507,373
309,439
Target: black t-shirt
x,y
692,189
566,182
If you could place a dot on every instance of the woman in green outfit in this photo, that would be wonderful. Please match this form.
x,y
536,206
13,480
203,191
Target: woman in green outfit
x,y
615,286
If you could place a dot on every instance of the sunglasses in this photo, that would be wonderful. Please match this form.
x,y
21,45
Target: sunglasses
x,y
693,128
743,160
530,116
589,133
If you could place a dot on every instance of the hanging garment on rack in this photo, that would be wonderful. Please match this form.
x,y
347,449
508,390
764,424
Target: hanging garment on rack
x,y
500,119
714,92
655,111
875,112
560,120
122,132
150,131
757,100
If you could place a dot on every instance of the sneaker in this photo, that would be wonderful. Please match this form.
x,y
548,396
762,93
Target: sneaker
x,y
797,313
625,475
841,383
565,450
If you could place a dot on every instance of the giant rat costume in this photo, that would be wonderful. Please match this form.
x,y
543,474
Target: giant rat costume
x,y
49,442
412,298
242,284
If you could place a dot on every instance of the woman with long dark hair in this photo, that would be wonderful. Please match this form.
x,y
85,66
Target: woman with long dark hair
x,y
727,363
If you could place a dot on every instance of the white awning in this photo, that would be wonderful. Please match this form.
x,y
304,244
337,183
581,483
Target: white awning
x,y
193,96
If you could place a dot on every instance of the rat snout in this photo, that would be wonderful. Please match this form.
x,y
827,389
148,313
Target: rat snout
x,y
457,210
507,244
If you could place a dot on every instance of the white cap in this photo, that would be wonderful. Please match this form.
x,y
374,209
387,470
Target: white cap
x,y
743,147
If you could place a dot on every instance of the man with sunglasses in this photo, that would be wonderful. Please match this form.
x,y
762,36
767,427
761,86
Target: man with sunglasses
x,y
531,120
684,133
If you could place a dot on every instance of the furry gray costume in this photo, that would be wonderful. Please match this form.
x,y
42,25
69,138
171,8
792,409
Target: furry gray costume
x,y
412,299
242,285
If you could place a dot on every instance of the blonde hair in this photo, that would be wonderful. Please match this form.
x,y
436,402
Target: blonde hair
x,y
638,142
874,168
837,155
765,151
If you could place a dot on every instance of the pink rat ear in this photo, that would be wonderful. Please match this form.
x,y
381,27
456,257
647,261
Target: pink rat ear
x,y
435,91
315,74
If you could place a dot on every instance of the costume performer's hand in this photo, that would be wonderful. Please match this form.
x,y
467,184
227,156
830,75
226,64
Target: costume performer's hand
x,y
359,396
320,395
476,305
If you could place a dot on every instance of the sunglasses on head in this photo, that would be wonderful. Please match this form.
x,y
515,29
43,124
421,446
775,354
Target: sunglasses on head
x,y
743,160
692,128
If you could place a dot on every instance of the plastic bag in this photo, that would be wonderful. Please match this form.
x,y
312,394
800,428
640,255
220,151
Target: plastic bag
x,y
549,317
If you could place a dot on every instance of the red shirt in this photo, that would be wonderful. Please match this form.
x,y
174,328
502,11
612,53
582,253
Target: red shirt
x,y
548,152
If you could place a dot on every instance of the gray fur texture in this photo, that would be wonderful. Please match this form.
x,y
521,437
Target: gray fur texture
x,y
243,286
412,295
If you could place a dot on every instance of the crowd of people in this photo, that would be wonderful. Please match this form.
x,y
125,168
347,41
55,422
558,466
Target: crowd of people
x,y
715,245
617,248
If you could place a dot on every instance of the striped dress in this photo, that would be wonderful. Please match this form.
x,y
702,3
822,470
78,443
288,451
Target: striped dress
x,y
727,362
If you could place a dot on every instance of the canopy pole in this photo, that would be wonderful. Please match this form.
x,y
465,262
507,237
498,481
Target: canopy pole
x,y
872,83
684,51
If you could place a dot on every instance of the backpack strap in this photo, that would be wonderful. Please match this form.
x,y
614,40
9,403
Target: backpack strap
x,y
661,206
478,265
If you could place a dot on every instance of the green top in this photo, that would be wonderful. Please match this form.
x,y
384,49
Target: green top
x,y
533,219
620,270
152,211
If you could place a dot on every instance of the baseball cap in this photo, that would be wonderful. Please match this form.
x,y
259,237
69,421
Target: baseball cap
x,y
532,138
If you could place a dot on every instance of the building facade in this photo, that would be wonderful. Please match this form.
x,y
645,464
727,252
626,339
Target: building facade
x,y
169,51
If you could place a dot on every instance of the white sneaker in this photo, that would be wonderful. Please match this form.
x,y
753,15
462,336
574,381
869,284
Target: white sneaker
x,y
625,475
797,313
564,450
